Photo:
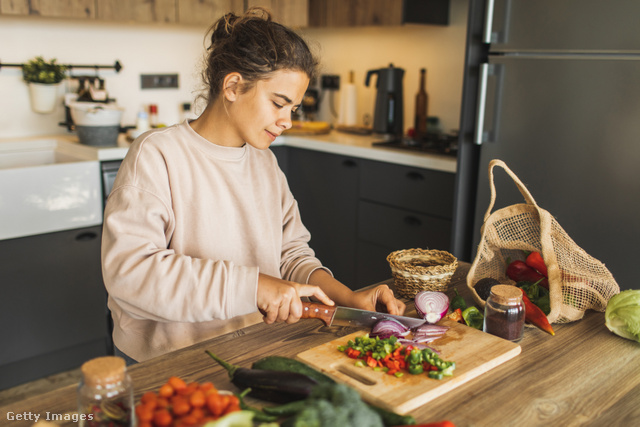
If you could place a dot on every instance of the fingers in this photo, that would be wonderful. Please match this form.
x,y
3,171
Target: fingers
x,y
279,300
314,291
388,300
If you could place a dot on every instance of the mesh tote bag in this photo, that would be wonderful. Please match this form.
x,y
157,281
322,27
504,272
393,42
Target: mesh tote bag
x,y
577,281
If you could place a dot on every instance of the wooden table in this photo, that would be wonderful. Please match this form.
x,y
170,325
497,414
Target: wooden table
x,y
584,375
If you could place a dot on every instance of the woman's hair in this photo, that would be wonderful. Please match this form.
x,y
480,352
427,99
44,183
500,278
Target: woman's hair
x,y
254,46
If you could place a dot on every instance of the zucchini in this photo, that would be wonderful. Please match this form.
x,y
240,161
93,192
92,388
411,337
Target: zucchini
x,y
286,364
272,386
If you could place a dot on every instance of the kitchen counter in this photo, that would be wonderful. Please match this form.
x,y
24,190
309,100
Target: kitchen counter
x,y
334,142
584,375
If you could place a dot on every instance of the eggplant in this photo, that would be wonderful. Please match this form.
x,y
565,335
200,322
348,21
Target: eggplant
x,y
272,386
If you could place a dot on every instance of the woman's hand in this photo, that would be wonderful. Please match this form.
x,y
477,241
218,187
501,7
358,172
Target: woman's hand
x,y
368,299
381,295
279,300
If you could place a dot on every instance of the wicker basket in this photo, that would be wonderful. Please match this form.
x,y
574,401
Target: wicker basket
x,y
416,270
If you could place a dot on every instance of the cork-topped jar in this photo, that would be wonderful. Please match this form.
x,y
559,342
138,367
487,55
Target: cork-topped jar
x,y
105,394
504,313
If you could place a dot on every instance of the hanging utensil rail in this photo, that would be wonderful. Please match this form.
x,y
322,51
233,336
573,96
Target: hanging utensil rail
x,y
116,66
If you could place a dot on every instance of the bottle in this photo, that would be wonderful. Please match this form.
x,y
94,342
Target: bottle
x,y
142,124
504,313
153,115
422,105
105,393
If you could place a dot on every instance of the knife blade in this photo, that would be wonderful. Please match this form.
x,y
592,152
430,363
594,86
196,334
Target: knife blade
x,y
347,316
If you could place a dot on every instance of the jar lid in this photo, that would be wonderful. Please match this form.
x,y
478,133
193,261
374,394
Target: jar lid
x,y
506,294
103,370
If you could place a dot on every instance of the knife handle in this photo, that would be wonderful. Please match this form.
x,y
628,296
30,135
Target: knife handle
x,y
312,310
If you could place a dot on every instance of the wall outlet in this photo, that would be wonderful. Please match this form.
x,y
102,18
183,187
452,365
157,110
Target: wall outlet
x,y
330,82
158,81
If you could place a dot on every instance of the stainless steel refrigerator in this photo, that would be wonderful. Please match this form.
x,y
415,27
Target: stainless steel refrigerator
x,y
552,87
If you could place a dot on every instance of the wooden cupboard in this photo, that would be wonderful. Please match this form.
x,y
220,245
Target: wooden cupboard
x,y
142,11
293,13
206,12
50,8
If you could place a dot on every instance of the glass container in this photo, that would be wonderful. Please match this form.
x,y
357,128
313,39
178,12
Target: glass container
x,y
105,393
504,313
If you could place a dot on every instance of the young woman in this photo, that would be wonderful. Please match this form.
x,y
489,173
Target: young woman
x,y
202,235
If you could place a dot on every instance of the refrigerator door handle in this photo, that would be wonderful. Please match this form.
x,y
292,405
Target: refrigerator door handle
x,y
488,22
480,136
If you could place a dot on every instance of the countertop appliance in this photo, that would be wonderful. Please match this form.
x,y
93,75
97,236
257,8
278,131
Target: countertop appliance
x,y
388,117
553,89
433,143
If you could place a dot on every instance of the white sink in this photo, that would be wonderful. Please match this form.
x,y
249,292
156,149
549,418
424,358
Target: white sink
x,y
44,189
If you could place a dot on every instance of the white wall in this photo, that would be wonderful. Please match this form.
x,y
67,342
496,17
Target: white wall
x,y
144,49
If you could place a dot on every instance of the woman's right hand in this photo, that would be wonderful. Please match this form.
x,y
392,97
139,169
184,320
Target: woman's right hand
x,y
279,300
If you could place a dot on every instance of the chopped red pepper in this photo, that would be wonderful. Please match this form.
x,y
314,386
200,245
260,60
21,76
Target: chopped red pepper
x,y
371,362
352,353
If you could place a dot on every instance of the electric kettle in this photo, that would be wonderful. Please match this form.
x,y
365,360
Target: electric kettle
x,y
388,114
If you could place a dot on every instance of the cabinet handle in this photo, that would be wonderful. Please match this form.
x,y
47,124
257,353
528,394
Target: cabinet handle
x,y
415,176
349,163
86,236
412,221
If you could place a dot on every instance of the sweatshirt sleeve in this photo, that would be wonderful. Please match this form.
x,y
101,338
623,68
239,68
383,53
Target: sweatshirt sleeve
x,y
151,281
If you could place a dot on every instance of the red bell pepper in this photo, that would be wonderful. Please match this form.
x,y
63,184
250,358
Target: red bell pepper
x,y
535,261
535,316
519,271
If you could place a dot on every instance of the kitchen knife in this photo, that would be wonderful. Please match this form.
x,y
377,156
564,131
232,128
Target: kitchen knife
x,y
345,316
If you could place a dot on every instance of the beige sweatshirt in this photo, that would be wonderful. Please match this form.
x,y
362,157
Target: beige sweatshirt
x,y
187,227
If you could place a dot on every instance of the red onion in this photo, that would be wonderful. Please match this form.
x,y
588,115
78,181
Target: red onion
x,y
427,333
387,327
432,306
422,334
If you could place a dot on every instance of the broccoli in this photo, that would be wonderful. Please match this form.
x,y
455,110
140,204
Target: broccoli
x,y
333,405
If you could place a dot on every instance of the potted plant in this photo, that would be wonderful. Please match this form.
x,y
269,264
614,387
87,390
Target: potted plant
x,y
43,78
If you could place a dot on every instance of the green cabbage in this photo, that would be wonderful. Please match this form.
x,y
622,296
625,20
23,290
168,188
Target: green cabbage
x,y
622,316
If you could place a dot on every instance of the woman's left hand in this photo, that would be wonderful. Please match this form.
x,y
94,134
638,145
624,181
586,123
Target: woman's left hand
x,y
381,295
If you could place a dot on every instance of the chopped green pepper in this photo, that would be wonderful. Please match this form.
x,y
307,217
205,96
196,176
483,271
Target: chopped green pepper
x,y
458,302
416,369
473,317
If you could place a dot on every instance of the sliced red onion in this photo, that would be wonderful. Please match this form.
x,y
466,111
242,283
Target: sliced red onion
x,y
422,334
387,327
432,306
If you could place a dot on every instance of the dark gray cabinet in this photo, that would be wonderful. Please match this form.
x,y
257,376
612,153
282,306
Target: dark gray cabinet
x,y
53,304
359,211
326,188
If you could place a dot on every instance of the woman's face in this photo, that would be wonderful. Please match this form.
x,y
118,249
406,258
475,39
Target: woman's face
x,y
264,112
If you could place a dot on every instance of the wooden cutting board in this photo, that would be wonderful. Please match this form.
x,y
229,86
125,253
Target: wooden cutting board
x,y
474,352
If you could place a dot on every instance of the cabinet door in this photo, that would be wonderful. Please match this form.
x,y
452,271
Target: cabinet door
x,y
137,10
326,188
50,8
53,303
353,13
206,12
292,13
383,229
421,190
